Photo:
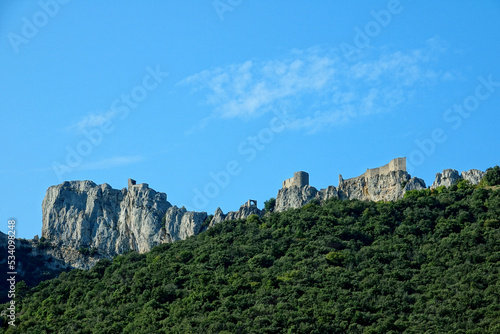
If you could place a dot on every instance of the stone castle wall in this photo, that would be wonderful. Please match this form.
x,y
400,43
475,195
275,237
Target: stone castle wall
x,y
299,179
398,164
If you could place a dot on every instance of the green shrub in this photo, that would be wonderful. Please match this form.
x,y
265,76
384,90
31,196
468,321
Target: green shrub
x,y
85,251
253,219
492,177
493,223
335,258
269,205
464,184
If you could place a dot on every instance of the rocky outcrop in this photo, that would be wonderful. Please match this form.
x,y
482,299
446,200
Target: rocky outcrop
x,y
414,183
474,176
446,178
379,187
294,197
244,212
451,176
181,224
81,214
390,186
218,217
325,194
58,256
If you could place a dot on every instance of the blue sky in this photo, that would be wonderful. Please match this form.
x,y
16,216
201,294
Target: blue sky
x,y
216,102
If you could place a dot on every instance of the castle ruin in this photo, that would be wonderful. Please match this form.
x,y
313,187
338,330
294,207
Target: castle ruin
x,y
251,203
299,179
132,183
398,164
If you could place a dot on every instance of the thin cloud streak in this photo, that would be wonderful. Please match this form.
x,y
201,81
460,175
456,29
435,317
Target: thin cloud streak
x,y
319,88
92,120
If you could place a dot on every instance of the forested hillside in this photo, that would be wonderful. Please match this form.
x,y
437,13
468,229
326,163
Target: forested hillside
x,y
429,263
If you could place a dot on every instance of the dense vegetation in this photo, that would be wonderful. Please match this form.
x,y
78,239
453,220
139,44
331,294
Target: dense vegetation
x,y
429,263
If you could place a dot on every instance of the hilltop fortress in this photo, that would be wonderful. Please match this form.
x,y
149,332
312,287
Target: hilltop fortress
x,y
301,179
83,215
385,183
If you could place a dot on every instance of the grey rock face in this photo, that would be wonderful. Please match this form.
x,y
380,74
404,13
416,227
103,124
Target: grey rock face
x,y
80,214
243,213
218,217
379,187
450,176
414,183
61,256
474,176
180,223
325,194
294,197
446,178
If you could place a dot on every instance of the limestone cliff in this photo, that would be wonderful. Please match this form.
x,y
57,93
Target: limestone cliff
x,y
180,223
446,178
474,176
294,197
84,222
81,214
390,186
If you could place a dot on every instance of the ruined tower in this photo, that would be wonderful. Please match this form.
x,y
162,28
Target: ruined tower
x,y
299,179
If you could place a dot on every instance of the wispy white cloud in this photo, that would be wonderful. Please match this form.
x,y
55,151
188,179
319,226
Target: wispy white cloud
x,y
112,162
318,87
92,120
247,89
